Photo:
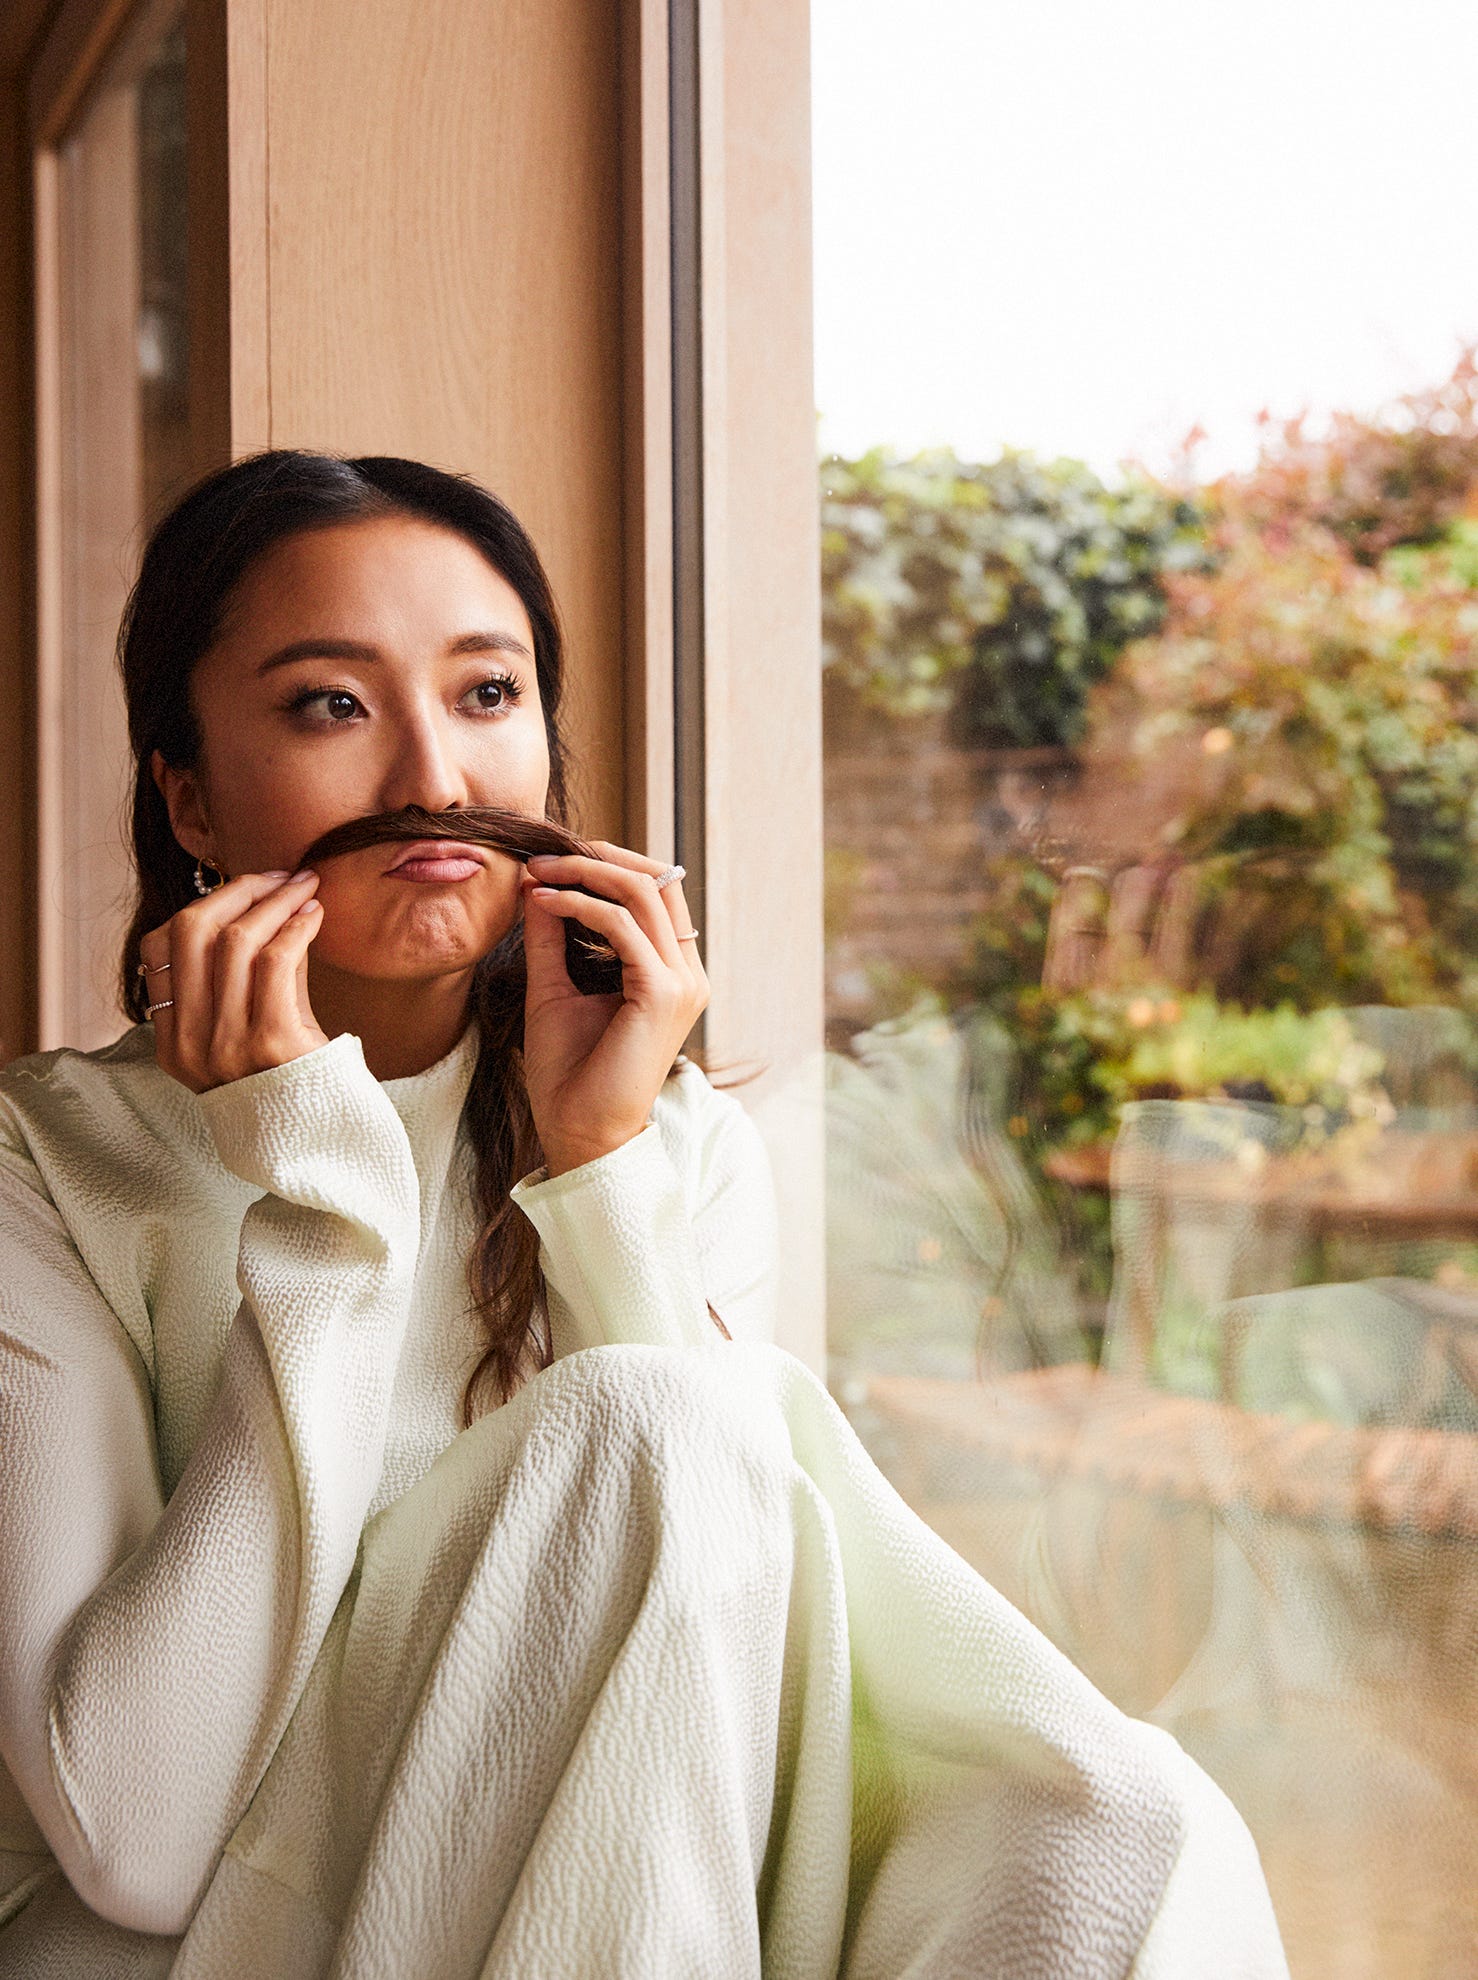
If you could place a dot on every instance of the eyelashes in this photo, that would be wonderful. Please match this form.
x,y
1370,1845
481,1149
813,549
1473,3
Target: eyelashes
x,y
509,685
299,704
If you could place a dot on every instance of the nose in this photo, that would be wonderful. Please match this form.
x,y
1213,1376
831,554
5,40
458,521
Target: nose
x,y
424,765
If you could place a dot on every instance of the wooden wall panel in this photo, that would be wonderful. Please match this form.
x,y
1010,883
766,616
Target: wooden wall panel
x,y
226,118
444,276
84,865
17,584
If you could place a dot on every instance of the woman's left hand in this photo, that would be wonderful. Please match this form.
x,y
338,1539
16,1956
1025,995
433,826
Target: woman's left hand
x,y
593,1065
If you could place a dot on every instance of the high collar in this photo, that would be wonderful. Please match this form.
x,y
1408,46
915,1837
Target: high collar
x,y
430,1102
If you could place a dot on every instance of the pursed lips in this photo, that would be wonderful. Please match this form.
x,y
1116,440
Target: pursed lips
x,y
437,849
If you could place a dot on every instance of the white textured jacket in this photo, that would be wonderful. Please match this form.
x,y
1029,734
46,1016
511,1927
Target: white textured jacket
x,y
234,1328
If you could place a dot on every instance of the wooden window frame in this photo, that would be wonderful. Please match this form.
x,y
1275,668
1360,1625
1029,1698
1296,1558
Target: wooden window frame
x,y
724,618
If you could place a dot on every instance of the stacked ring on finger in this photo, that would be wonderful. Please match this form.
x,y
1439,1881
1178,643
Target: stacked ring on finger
x,y
663,879
166,1003
670,873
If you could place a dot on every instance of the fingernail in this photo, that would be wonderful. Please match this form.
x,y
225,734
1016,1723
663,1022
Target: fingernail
x,y
542,860
303,873
274,873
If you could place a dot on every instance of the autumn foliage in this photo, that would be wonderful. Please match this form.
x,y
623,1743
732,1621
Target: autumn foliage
x,y
1324,679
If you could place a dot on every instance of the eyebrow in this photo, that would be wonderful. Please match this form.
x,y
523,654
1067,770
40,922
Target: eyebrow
x,y
356,649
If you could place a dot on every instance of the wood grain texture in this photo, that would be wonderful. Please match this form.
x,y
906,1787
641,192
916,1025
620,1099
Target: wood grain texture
x,y
22,23
650,813
17,583
444,282
84,869
226,117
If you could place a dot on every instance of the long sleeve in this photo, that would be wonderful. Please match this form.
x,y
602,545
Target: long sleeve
x,y
151,1653
636,1244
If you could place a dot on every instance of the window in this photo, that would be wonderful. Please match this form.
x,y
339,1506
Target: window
x,y
1151,828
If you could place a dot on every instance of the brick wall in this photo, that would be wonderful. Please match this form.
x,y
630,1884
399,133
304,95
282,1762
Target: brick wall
x,y
909,819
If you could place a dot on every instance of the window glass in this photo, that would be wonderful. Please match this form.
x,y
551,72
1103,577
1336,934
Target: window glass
x,y
1148,480
123,358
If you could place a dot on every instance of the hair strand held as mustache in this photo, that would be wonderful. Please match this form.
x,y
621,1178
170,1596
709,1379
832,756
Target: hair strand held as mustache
x,y
593,965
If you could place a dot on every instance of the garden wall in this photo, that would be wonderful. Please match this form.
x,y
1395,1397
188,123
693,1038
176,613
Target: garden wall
x,y
909,820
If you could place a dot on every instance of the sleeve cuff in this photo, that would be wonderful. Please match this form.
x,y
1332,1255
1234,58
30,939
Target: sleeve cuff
x,y
617,1247
318,1130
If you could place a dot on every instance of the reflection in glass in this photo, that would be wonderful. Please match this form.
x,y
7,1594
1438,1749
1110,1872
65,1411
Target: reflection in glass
x,y
1152,1086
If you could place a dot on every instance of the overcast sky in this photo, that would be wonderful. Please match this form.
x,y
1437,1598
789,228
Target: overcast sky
x,y
1083,227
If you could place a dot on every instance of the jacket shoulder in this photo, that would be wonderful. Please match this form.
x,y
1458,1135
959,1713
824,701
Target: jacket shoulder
x,y
107,1126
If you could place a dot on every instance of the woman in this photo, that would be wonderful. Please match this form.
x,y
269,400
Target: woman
x,y
350,1624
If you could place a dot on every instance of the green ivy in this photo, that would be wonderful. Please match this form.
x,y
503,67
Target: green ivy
x,y
998,592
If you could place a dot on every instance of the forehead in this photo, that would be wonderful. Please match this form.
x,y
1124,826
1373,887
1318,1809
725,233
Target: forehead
x,y
393,581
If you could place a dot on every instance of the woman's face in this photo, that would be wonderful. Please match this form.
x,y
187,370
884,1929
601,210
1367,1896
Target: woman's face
x,y
366,666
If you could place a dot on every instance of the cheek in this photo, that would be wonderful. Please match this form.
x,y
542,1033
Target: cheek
x,y
514,770
266,812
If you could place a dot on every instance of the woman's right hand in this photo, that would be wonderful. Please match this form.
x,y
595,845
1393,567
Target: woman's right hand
x,y
238,977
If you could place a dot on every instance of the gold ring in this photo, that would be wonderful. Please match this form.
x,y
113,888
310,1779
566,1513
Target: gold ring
x,y
691,936
167,1005
146,969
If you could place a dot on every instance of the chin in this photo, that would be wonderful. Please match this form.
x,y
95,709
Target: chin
x,y
432,944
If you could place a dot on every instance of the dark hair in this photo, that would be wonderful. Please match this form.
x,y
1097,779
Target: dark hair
x,y
194,561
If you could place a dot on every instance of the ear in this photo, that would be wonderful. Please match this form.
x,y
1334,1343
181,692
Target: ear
x,y
181,794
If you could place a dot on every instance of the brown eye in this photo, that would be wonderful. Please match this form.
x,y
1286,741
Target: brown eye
x,y
507,689
340,696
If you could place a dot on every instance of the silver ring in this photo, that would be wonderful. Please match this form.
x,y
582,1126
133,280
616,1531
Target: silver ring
x,y
146,969
691,936
670,873
167,1005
